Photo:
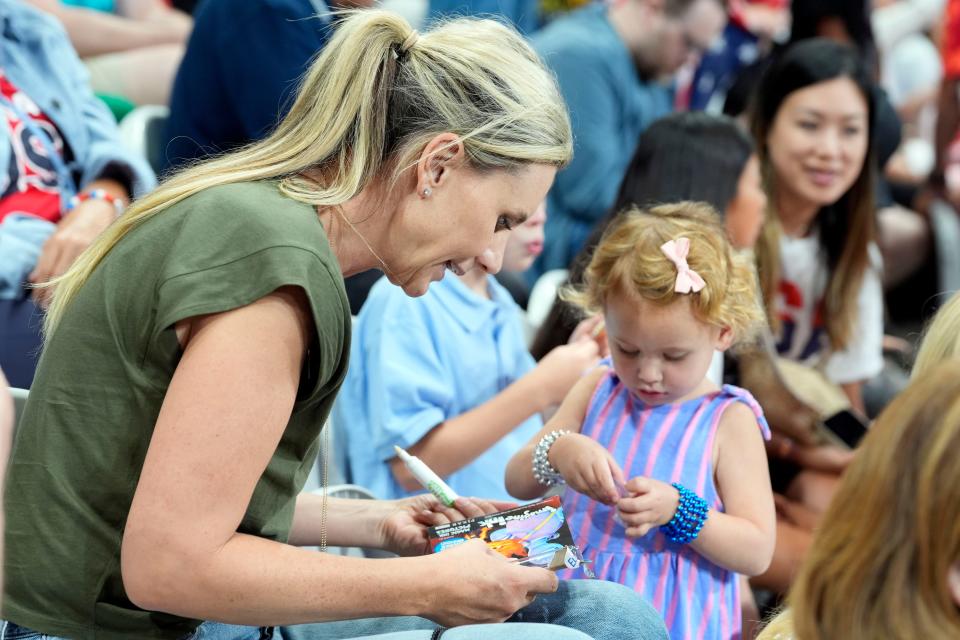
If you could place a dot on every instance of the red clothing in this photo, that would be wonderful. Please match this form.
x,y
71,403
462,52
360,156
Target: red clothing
x,y
950,47
735,9
32,184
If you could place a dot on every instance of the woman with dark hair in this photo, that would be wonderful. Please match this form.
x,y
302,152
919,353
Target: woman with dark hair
x,y
818,263
683,156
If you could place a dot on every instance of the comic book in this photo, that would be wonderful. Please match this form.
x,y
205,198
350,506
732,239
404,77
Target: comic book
x,y
535,534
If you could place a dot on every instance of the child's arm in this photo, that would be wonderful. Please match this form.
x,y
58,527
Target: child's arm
x,y
742,538
455,443
585,465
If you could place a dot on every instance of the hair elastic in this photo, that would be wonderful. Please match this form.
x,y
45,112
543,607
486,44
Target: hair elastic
x,y
409,41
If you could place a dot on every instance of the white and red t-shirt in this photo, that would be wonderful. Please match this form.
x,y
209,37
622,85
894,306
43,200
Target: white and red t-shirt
x,y
803,335
32,185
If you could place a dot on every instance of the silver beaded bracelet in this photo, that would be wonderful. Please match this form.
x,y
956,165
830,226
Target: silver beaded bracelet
x,y
543,471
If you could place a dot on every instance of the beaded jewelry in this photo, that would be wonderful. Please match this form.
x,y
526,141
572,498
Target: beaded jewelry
x,y
96,194
543,471
691,513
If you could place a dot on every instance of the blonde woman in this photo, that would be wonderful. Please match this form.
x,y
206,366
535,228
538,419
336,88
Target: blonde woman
x,y
942,338
886,562
193,353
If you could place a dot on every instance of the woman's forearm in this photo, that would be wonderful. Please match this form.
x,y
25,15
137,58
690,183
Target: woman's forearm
x,y
253,581
349,523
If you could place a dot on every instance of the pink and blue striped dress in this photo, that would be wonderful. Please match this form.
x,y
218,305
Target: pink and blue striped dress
x,y
673,443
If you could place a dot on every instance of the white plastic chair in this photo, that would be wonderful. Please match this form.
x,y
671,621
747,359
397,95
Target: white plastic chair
x,y
349,491
142,132
19,402
542,295
946,227
715,372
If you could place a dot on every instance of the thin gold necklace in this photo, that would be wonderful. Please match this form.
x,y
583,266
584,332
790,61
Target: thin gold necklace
x,y
376,255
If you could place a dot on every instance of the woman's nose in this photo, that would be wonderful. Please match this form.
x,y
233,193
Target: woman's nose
x,y
491,260
828,145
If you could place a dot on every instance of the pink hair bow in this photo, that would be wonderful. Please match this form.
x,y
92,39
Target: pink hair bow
x,y
688,280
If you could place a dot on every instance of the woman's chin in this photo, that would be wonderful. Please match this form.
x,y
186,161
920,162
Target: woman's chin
x,y
416,286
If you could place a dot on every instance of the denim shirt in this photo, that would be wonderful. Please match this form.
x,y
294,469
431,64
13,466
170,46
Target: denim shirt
x,y
37,57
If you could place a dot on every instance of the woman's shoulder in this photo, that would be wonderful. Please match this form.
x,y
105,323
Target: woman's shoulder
x,y
247,217
244,199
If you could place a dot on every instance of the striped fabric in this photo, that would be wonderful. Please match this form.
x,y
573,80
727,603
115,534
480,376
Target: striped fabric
x,y
673,443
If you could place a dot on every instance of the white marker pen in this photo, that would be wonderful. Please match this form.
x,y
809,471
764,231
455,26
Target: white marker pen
x,y
426,477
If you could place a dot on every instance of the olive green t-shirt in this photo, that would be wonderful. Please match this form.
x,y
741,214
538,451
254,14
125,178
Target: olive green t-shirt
x,y
102,377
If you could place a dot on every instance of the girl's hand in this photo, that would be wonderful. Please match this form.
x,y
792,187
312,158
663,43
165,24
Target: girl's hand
x,y
403,529
587,467
650,503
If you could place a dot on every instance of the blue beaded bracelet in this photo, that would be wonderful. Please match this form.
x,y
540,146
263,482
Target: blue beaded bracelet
x,y
691,513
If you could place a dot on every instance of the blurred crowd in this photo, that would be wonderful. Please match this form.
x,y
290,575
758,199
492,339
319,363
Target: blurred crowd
x,y
824,133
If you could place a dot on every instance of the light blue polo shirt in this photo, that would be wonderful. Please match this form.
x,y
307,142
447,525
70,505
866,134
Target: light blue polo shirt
x,y
417,362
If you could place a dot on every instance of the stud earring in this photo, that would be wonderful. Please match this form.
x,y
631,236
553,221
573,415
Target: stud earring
x,y
426,192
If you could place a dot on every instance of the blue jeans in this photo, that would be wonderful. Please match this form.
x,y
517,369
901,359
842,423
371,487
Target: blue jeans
x,y
592,608
579,609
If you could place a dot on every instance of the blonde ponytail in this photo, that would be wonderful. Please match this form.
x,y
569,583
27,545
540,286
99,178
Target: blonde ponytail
x,y
369,104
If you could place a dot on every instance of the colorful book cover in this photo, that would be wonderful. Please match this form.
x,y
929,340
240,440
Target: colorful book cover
x,y
535,533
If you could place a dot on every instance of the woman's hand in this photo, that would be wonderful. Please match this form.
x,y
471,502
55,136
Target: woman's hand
x,y
479,586
795,513
823,457
76,231
403,529
785,412
587,467
649,503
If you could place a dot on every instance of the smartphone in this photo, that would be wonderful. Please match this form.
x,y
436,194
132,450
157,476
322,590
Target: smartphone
x,y
845,428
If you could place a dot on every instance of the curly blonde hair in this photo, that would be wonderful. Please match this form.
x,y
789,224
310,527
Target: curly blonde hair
x,y
629,260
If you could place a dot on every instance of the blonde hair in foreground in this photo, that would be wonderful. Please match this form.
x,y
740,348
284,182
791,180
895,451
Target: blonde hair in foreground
x,y
942,338
878,566
365,108
629,260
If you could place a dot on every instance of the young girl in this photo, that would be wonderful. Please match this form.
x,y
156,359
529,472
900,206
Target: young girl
x,y
675,466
